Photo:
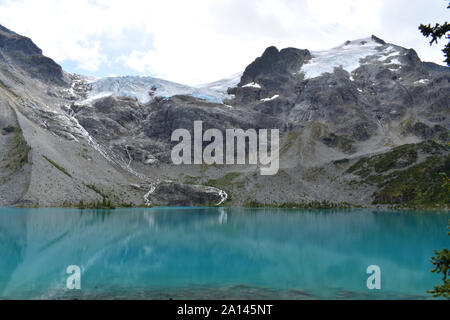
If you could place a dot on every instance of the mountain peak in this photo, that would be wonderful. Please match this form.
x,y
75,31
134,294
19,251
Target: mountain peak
x,y
270,51
372,40
25,54
378,40
273,61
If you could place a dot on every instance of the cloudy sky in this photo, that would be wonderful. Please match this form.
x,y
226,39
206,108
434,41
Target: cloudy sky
x,y
200,41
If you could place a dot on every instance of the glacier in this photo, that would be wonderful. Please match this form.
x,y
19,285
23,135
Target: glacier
x,y
347,56
145,88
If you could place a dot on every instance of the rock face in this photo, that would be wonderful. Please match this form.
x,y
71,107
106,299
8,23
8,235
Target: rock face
x,y
270,74
24,54
177,194
275,67
66,138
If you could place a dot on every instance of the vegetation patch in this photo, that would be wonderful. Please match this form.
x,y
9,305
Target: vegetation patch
x,y
402,182
332,140
290,141
224,182
420,186
109,201
318,130
398,158
84,154
441,263
18,152
302,205
57,166
9,129
96,190
8,89
104,204
191,180
313,174
423,131
341,162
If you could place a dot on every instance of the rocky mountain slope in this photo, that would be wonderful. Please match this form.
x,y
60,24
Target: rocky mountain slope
x,y
365,123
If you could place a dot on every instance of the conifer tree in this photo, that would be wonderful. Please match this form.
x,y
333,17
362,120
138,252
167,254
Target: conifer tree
x,y
436,33
441,264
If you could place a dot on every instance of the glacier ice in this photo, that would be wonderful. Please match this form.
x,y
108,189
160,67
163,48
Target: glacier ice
x,y
144,88
347,56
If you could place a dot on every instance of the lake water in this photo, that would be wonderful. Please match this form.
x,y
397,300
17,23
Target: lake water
x,y
218,253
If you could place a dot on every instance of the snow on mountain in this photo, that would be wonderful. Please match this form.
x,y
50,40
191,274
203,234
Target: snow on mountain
x,y
347,56
270,99
219,88
144,88
252,85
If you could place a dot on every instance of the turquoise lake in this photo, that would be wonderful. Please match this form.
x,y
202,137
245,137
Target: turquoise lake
x,y
218,253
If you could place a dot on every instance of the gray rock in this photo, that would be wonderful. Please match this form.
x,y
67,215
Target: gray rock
x,y
22,52
177,194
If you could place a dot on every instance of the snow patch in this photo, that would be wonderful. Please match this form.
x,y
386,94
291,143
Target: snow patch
x,y
252,85
348,56
395,61
223,84
422,81
389,54
270,99
92,97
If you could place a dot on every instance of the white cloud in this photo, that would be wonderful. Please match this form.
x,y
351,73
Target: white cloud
x,y
203,40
